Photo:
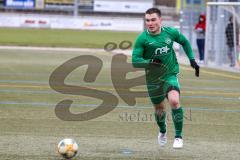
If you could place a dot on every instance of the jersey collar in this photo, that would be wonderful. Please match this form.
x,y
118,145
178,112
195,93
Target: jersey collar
x,y
162,29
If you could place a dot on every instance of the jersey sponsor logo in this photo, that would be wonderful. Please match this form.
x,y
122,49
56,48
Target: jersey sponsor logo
x,y
163,50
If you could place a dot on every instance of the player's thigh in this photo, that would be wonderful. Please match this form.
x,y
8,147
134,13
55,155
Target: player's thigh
x,y
171,83
156,93
172,89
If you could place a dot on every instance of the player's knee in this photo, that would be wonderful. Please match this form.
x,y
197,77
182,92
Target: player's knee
x,y
174,102
173,99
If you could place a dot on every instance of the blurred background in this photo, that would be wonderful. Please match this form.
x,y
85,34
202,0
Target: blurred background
x,y
126,15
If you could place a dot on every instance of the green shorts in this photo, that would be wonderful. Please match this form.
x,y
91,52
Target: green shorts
x,y
159,89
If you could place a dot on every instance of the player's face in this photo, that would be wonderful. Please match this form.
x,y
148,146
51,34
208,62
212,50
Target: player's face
x,y
153,23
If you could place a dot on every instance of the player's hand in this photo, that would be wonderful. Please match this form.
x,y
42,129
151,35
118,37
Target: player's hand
x,y
155,61
195,66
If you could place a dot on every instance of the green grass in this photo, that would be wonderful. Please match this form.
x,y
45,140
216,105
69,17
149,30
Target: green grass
x,y
30,129
62,38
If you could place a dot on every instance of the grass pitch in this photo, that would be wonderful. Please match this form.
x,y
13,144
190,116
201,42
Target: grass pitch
x,y
30,129
62,38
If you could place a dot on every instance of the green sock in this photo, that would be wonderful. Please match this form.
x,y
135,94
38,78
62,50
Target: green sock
x,y
177,116
160,119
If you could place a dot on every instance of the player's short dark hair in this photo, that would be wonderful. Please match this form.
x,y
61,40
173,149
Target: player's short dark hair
x,y
154,10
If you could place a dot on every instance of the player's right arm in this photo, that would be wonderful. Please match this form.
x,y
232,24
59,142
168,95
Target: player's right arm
x,y
137,55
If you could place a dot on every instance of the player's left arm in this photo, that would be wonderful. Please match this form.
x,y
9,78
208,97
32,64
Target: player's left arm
x,y
181,39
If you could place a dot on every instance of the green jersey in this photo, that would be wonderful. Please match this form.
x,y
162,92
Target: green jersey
x,y
160,46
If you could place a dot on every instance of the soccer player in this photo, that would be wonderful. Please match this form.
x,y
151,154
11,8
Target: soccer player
x,y
153,50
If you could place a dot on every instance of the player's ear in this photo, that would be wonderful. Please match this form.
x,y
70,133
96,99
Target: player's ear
x,y
160,20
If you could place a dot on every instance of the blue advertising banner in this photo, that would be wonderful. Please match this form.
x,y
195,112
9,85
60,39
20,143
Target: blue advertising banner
x,y
20,3
195,1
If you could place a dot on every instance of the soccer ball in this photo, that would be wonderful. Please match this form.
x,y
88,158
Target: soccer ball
x,y
67,148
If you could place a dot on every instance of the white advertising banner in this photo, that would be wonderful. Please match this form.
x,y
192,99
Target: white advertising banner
x,y
122,6
34,22
70,22
121,24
